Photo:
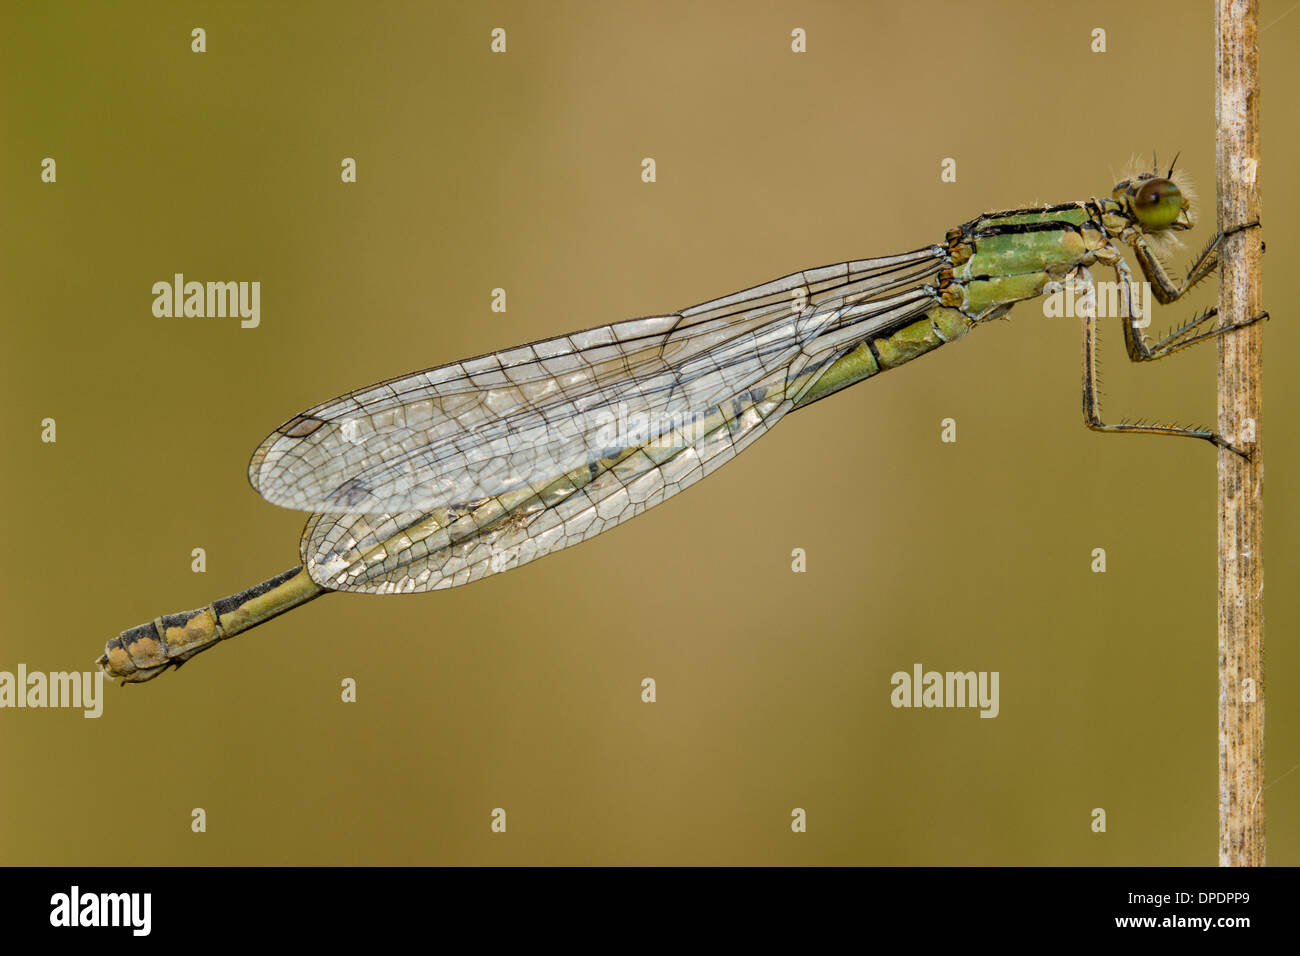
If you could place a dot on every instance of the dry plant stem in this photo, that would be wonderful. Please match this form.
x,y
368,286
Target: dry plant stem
x,y
1241,565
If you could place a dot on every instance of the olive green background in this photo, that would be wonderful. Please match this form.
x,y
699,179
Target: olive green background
x,y
523,691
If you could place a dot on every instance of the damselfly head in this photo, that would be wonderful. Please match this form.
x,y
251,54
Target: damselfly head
x,y
1155,202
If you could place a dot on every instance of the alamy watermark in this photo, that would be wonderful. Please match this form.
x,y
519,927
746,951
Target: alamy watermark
x,y
922,688
614,428
1076,299
77,689
213,300
76,908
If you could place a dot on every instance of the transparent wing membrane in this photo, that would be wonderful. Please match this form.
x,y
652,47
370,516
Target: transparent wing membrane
x,y
449,474
448,546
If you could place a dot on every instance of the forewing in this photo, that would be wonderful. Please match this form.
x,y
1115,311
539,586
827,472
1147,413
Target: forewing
x,y
512,420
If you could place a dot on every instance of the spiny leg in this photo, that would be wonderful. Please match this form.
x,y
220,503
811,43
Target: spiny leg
x,y
1135,341
1174,341
1092,394
1165,289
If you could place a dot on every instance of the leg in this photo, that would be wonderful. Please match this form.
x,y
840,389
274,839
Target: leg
x,y
1162,284
1092,395
1175,340
1135,341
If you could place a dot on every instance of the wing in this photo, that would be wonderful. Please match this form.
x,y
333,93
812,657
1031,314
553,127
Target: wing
x,y
512,421
419,550
567,494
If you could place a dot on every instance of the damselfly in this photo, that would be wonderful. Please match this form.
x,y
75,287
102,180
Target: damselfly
x,y
445,476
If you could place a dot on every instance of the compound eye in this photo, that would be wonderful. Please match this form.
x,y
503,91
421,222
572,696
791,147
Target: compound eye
x,y
1157,203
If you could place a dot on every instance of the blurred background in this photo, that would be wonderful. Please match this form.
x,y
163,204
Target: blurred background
x,y
522,171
